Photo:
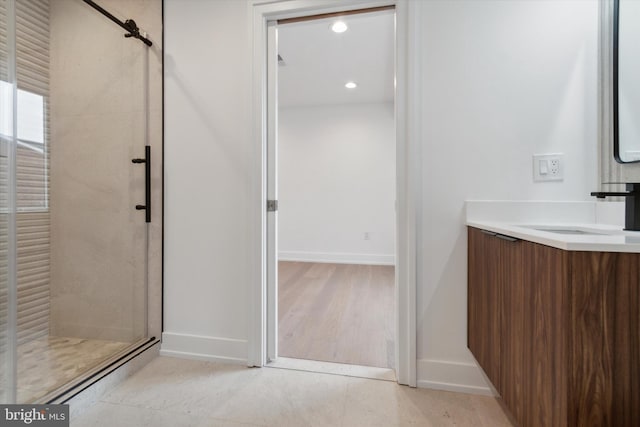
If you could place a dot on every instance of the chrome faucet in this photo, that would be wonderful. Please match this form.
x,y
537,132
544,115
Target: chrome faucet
x,y
631,204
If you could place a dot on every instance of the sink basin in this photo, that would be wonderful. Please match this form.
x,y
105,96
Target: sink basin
x,y
569,230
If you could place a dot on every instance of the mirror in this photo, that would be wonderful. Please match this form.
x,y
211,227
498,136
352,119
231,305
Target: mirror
x,y
626,81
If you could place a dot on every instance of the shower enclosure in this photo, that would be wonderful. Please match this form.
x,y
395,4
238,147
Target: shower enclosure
x,y
76,130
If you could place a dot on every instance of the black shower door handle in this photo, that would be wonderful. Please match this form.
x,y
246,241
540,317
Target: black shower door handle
x,y
147,182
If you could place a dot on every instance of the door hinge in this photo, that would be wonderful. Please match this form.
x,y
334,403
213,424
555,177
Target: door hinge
x,y
272,205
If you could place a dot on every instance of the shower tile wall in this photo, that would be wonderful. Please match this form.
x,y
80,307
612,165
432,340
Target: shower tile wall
x,y
97,126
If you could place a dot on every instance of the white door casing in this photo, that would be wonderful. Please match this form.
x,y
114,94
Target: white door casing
x,y
272,191
262,337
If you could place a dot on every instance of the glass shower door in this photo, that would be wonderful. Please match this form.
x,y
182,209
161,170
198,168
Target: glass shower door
x,y
98,238
81,243
73,231
7,205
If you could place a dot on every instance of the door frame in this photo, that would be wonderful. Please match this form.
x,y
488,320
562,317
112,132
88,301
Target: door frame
x,y
408,175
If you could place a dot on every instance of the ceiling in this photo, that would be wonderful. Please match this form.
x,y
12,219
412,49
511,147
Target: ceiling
x,y
318,62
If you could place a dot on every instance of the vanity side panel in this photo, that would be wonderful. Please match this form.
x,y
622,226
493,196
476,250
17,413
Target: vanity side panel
x,y
546,320
483,292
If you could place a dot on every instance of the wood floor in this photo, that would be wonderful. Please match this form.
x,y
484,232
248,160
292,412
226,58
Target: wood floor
x,y
339,313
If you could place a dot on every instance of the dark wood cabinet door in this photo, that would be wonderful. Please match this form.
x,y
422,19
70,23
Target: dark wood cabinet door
x,y
513,344
546,287
519,341
483,295
605,339
557,332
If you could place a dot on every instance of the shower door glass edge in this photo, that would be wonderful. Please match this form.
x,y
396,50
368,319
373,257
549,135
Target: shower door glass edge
x,y
8,131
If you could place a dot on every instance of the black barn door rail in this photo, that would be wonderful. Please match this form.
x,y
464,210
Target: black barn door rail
x,y
129,25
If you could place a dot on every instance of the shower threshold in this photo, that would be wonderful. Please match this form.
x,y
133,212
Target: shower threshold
x,y
53,367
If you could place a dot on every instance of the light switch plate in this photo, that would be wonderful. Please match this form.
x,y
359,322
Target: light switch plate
x,y
548,167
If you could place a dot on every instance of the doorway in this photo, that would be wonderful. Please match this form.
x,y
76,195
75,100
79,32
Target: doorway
x,y
260,299
331,167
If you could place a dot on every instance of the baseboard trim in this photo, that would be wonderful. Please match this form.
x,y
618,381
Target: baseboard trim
x,y
337,258
198,347
452,376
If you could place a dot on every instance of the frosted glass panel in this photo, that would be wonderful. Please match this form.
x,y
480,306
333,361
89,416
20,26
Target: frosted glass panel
x,y
30,114
7,218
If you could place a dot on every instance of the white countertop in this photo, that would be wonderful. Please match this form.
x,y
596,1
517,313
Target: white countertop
x,y
601,223
604,238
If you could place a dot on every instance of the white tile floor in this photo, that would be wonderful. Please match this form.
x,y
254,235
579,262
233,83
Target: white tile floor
x,y
177,392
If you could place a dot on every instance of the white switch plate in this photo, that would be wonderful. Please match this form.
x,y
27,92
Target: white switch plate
x,y
548,167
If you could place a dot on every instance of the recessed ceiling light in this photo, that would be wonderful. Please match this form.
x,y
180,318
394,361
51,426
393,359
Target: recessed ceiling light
x,y
351,85
339,27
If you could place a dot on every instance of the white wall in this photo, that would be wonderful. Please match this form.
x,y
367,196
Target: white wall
x,y
336,182
207,176
500,81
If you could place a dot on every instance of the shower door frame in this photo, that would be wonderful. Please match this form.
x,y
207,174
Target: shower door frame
x,y
11,362
145,344
151,327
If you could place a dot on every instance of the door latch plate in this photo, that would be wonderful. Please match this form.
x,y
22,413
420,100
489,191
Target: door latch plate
x,y
272,205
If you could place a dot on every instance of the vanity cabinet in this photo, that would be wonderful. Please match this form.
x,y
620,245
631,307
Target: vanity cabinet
x,y
557,332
